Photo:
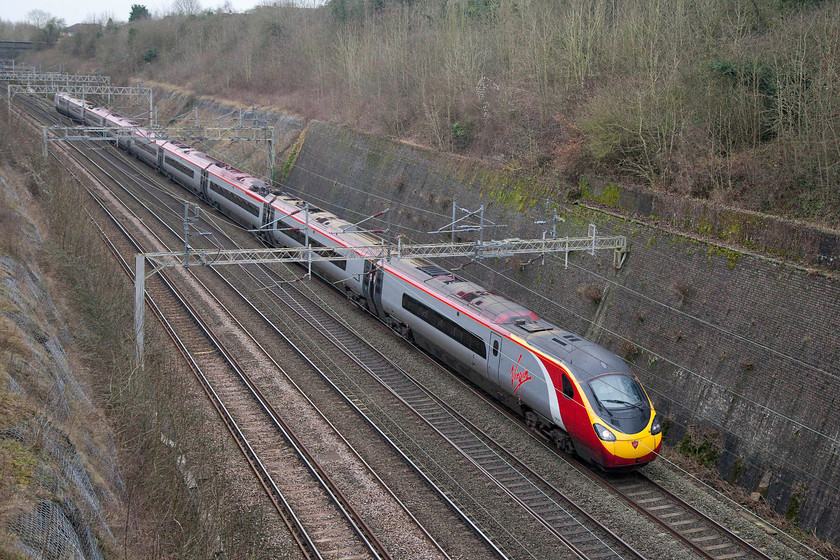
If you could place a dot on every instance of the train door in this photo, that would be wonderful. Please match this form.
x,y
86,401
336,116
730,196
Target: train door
x,y
367,284
495,358
378,276
373,288
160,151
267,218
203,184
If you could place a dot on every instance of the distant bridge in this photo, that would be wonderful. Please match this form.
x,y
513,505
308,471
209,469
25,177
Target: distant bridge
x,y
13,48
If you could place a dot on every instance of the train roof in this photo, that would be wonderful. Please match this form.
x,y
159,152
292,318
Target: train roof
x,y
75,100
101,111
585,358
192,155
325,221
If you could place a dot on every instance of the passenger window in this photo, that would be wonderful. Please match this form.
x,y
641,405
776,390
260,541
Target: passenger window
x,y
568,388
495,347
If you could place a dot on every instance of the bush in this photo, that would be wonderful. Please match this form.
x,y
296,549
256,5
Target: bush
x,y
151,55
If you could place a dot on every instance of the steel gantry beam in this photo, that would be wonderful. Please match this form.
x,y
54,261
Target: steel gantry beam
x,y
46,78
80,90
388,251
30,74
90,133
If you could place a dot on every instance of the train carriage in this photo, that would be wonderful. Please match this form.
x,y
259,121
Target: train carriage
x,y
582,396
244,196
181,165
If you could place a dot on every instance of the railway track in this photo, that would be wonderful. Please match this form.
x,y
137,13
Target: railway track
x,y
577,546
320,517
548,504
705,536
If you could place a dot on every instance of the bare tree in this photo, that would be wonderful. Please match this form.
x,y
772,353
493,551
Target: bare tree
x,y
48,26
38,18
186,7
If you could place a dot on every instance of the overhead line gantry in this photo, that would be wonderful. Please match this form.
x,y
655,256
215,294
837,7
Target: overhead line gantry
x,y
385,251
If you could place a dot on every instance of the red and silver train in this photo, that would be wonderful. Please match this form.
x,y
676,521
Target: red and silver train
x,y
583,397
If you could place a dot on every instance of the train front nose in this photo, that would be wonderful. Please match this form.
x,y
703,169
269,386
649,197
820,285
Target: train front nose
x,y
636,450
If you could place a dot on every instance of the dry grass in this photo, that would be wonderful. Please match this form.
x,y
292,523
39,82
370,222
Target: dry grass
x,y
681,290
10,225
627,349
12,340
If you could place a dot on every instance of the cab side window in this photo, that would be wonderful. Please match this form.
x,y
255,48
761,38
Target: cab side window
x,y
568,388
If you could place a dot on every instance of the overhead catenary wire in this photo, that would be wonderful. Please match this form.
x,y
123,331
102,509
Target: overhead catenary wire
x,y
706,323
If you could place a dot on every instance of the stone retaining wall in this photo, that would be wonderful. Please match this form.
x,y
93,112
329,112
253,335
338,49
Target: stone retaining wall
x,y
740,352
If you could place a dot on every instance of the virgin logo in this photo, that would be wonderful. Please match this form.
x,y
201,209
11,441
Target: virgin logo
x,y
518,376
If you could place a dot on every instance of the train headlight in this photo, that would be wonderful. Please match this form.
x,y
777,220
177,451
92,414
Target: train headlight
x,y
603,433
656,426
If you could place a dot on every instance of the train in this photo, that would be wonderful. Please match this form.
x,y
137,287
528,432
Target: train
x,y
582,397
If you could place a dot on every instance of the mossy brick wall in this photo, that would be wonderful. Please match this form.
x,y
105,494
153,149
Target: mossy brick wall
x,y
738,351
784,238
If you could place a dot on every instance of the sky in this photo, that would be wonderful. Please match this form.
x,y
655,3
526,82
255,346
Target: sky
x,y
85,11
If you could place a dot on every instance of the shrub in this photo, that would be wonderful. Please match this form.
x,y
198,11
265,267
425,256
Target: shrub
x,y
591,293
702,445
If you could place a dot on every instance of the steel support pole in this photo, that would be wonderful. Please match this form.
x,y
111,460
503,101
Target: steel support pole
x,y
271,158
481,228
454,207
139,307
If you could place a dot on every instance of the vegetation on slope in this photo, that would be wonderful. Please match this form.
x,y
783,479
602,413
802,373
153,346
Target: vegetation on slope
x,y
734,101
179,499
